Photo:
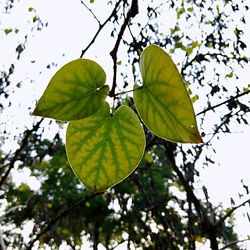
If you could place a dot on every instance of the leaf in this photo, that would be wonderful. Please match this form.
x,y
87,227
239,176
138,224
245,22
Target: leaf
x,y
198,238
162,101
30,9
230,75
76,91
105,148
7,31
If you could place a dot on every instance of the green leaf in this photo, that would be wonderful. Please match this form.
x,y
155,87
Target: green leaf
x,y
76,91
162,101
7,31
30,9
194,98
105,148
230,75
190,9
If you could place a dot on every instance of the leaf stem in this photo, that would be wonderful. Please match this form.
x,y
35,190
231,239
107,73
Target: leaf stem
x,y
128,91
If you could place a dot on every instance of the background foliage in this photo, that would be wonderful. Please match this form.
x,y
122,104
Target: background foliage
x,y
160,206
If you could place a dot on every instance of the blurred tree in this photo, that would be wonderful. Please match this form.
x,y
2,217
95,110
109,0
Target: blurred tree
x,y
158,206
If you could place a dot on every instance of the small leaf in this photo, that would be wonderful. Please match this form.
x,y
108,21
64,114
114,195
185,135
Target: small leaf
x,y
7,31
30,9
105,148
149,158
163,102
230,75
198,238
245,89
76,91
194,98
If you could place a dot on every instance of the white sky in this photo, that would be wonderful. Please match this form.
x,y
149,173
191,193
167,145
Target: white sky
x,y
70,29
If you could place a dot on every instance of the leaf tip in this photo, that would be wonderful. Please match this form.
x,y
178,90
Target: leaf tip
x,y
36,112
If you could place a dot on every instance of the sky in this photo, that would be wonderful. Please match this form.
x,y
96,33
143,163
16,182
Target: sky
x,y
70,29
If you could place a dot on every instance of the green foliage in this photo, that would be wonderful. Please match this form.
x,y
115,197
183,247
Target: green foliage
x,y
105,148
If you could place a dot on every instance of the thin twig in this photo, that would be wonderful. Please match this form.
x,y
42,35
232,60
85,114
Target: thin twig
x,y
2,246
101,26
58,217
224,102
231,211
18,151
91,12
233,243
133,11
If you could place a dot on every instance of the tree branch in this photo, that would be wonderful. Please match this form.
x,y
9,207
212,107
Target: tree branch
x,y
224,102
206,225
133,11
92,13
233,243
101,26
18,151
58,217
231,211
2,246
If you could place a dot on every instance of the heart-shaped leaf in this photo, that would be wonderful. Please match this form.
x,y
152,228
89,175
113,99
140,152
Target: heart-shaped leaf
x,y
76,91
162,101
103,149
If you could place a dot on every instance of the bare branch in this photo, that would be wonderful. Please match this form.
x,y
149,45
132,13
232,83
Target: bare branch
x,y
2,246
92,13
224,102
233,243
58,217
133,11
230,212
101,26
18,151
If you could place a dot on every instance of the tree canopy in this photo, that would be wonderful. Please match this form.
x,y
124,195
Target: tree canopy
x,y
161,204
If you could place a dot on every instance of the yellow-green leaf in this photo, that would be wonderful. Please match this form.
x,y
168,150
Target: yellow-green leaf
x,y
162,101
103,149
76,91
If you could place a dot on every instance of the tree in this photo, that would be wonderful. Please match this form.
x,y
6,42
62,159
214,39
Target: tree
x,y
158,206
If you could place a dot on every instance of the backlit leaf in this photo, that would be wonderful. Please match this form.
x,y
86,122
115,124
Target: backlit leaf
x,y
105,148
162,101
76,91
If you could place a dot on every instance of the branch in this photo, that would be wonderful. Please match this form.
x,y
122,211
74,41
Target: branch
x,y
2,246
233,243
92,13
222,103
101,26
10,211
133,11
24,142
198,207
231,211
58,217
